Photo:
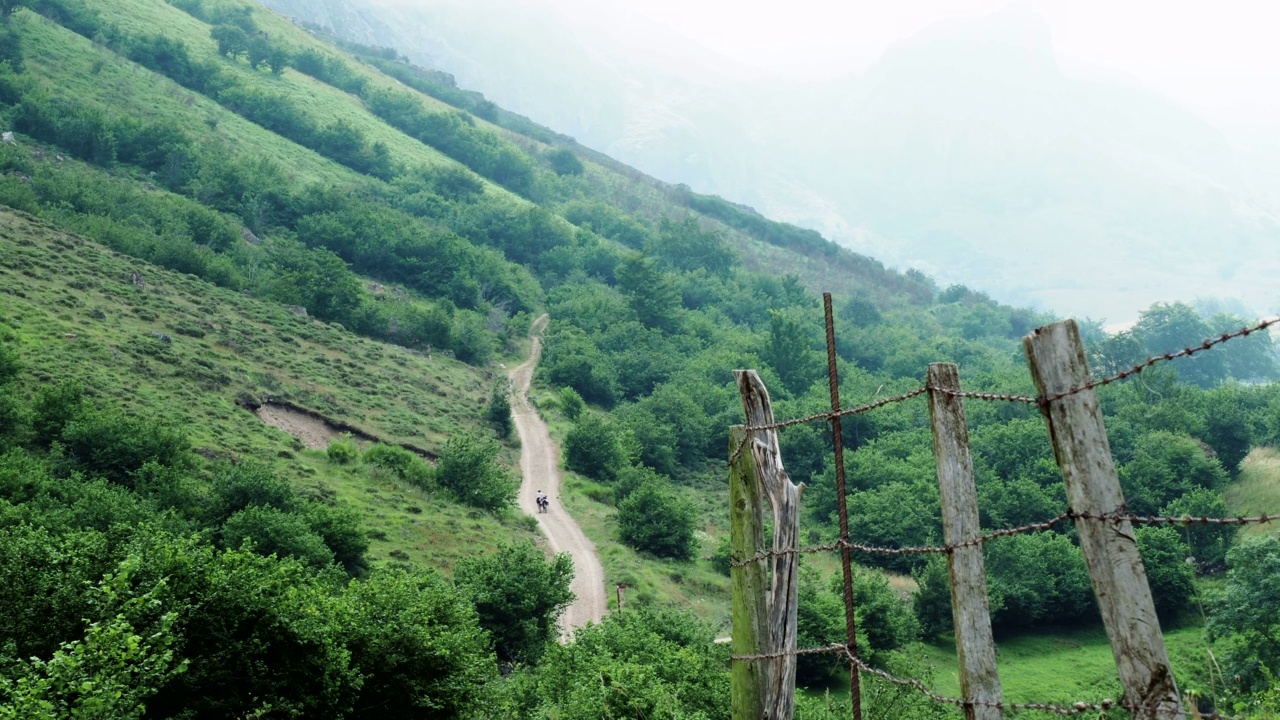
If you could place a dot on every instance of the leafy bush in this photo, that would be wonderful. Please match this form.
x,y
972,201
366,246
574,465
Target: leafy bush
x,y
498,414
1038,579
405,464
115,446
1243,619
1170,577
417,644
245,484
1166,466
564,162
339,528
269,531
931,601
593,447
342,451
643,663
656,519
519,597
571,403
468,468
107,674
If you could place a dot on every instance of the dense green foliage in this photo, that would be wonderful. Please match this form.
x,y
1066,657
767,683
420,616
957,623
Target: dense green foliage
x,y
468,468
519,597
1244,617
647,663
116,594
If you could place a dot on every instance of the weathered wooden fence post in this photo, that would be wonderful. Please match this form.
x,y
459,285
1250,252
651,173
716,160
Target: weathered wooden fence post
x,y
975,648
778,674
1058,365
749,582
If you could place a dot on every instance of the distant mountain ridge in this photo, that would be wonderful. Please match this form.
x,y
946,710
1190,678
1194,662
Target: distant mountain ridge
x,y
966,151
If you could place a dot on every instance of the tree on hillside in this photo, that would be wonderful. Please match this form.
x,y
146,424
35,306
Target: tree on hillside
x,y
232,41
519,596
564,162
469,469
653,297
595,448
1166,466
686,246
1166,327
1243,619
656,519
790,350
647,662
498,414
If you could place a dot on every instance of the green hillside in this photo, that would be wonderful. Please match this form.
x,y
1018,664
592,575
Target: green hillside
x,y
156,343
218,220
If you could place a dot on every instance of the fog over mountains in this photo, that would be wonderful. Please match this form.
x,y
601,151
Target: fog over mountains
x,y
969,151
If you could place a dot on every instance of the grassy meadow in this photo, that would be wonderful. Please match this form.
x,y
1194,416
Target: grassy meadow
x,y
156,342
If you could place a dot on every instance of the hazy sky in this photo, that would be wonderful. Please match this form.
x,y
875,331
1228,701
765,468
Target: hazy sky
x,y
1222,57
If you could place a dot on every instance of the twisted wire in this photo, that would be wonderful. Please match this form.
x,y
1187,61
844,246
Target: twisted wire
x,y
1006,532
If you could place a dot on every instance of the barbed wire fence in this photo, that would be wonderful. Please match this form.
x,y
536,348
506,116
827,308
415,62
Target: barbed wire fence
x,y
763,649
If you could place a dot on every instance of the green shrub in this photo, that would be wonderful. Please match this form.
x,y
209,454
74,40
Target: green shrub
x,y
519,596
594,449
115,446
342,451
54,407
571,403
339,527
499,411
270,531
564,162
236,487
656,519
468,468
408,466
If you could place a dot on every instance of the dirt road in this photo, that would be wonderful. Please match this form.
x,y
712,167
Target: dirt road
x,y
540,468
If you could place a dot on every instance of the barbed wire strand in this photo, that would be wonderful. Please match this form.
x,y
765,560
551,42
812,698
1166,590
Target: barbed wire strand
x,y
823,416
1073,709
1185,352
1030,527
1009,397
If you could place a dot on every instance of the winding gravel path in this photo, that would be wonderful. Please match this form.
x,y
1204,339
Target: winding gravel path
x,y
540,469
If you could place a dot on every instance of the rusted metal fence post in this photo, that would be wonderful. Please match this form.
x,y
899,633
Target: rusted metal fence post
x,y
846,562
749,582
1057,360
975,648
779,673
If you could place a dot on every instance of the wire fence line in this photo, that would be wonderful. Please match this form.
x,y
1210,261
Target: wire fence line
x,y
848,651
1022,529
1076,708
1011,397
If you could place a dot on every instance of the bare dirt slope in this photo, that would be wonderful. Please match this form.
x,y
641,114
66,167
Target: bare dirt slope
x,y
540,469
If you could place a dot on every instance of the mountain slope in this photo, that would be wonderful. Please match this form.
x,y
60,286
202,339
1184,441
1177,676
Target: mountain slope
x,y
966,151
155,343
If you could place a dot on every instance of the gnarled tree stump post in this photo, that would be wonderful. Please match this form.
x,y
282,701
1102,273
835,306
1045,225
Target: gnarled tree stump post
x,y
777,676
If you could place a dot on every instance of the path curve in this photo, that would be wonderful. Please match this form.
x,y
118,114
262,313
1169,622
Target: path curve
x,y
540,470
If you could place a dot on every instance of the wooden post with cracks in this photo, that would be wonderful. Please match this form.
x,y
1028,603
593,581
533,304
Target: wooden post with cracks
x,y
1057,360
975,648
748,582
777,676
